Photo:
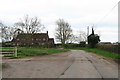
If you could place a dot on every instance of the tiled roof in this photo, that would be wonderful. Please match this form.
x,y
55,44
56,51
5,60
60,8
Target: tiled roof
x,y
36,35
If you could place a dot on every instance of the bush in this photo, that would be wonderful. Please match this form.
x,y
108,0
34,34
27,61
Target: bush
x,y
7,44
38,46
71,45
82,44
58,45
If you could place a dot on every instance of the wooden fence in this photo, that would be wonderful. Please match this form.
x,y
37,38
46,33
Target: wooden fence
x,y
110,48
8,51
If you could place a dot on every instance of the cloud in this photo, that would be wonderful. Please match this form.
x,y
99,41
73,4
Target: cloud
x,y
79,13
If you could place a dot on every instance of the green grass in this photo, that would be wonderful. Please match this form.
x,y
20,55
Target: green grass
x,y
7,49
26,52
100,52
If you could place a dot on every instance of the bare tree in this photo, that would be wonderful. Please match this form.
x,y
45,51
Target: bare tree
x,y
72,39
81,36
63,31
16,32
29,25
5,32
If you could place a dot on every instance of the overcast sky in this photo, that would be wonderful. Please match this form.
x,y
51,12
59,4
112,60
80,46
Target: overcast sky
x,y
78,13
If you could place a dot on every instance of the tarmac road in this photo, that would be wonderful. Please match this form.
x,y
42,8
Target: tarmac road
x,y
87,65
72,64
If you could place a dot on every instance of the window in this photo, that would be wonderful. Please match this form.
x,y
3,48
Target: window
x,y
44,39
17,43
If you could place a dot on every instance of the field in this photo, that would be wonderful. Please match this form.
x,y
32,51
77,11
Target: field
x,y
26,52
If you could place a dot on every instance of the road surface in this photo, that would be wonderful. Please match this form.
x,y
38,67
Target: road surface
x,y
72,64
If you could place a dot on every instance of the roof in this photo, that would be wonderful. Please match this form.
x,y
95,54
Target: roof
x,y
105,43
51,40
35,35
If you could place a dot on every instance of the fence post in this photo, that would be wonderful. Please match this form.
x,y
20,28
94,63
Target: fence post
x,y
15,51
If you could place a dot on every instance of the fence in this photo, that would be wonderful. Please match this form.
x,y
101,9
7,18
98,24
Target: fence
x,y
110,48
8,50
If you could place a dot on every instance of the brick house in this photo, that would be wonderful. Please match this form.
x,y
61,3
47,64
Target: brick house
x,y
32,39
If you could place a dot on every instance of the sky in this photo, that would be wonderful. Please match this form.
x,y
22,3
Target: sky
x,y
101,14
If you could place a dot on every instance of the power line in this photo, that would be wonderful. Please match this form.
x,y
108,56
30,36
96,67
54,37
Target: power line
x,y
107,13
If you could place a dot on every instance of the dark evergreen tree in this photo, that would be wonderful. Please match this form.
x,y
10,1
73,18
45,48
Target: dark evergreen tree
x,y
93,39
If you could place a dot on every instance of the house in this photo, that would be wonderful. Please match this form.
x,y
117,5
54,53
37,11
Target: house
x,y
32,39
105,43
116,43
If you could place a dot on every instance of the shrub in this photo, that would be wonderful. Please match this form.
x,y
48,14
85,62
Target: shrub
x,y
7,44
82,44
69,45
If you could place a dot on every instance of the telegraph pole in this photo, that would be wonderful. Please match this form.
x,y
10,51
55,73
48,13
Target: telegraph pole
x,y
87,33
119,21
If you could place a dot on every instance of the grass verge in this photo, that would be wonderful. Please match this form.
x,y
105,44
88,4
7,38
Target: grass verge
x,y
101,52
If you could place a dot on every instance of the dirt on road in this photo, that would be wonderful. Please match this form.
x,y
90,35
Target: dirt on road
x,y
47,66
72,64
